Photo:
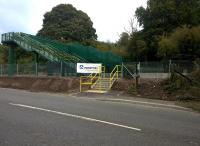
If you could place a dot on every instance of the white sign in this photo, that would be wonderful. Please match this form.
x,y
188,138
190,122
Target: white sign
x,y
88,68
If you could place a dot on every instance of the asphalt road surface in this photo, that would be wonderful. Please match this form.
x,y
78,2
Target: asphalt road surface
x,y
42,119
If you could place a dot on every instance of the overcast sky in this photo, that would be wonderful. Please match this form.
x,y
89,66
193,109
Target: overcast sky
x,y
110,17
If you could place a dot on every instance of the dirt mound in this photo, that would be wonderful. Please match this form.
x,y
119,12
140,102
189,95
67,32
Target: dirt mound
x,y
122,85
148,88
47,84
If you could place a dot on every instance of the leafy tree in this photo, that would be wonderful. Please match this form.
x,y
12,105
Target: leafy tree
x,y
21,56
162,17
124,39
166,15
3,54
66,23
136,48
184,43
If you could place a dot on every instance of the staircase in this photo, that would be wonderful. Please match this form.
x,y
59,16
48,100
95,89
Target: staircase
x,y
103,82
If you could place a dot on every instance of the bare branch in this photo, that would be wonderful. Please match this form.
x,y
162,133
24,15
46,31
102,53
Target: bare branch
x,y
133,27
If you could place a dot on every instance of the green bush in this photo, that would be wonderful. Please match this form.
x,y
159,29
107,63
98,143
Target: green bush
x,y
182,88
194,91
132,89
177,83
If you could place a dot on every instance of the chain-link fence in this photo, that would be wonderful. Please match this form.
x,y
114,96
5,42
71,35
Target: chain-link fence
x,y
48,69
159,70
145,69
183,66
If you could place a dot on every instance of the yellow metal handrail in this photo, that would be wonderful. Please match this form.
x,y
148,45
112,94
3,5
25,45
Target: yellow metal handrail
x,y
90,78
95,77
115,72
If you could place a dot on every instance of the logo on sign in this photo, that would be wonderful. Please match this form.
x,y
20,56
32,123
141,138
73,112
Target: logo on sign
x,y
88,68
81,67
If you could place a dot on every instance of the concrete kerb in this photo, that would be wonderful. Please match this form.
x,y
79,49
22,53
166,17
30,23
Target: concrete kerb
x,y
142,101
112,98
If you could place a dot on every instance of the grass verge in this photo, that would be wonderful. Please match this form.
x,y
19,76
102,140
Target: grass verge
x,y
195,105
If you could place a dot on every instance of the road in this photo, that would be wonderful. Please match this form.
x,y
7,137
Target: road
x,y
43,119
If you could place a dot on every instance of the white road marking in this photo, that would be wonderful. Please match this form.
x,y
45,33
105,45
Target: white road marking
x,y
75,116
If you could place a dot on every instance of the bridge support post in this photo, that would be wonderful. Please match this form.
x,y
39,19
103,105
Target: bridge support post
x,y
11,61
122,70
1,69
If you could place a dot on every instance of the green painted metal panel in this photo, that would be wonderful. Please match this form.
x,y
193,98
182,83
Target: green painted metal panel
x,y
59,52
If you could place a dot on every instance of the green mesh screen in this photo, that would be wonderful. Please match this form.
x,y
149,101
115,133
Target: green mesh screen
x,y
85,53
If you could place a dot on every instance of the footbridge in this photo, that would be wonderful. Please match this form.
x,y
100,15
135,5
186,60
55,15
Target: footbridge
x,y
55,51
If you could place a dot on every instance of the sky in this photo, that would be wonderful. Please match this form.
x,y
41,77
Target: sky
x,y
110,17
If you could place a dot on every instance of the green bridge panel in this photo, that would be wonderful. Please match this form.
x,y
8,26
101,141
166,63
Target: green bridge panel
x,y
59,52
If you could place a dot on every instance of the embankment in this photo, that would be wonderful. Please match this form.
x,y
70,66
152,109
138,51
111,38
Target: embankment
x,y
41,84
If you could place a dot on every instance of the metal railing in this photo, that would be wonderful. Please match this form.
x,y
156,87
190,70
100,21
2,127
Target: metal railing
x,y
115,74
92,78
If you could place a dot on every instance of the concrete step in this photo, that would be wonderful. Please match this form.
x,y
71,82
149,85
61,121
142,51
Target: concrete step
x,y
107,84
105,78
96,91
104,81
102,89
102,85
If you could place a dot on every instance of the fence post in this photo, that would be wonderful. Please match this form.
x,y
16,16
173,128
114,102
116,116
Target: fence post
x,y
139,67
17,70
62,72
36,69
122,70
11,60
1,70
136,79
170,62
36,57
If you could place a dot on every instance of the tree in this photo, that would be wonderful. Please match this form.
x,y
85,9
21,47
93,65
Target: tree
x,y
66,23
167,15
162,17
3,54
132,43
136,48
184,43
124,39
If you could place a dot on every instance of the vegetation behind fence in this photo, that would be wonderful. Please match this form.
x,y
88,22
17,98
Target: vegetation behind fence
x,y
69,69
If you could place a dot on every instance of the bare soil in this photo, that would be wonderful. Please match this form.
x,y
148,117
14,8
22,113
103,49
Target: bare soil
x,y
39,84
148,88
